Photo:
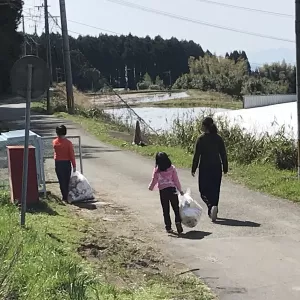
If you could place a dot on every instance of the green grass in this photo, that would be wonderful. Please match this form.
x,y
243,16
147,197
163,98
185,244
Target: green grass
x,y
261,177
197,99
42,262
200,99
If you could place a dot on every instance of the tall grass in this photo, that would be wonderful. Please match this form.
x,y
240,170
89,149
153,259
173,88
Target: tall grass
x,y
243,147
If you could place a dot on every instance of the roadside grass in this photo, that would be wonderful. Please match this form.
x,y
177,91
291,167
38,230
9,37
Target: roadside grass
x,y
195,102
261,177
45,260
197,99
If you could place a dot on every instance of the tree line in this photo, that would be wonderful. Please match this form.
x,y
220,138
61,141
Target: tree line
x,y
121,57
11,41
232,75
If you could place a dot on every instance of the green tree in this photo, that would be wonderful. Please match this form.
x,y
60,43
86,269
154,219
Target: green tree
x,y
11,40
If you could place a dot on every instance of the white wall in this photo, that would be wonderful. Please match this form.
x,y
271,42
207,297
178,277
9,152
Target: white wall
x,y
259,101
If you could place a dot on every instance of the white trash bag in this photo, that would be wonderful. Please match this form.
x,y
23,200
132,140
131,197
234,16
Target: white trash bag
x,y
190,210
79,188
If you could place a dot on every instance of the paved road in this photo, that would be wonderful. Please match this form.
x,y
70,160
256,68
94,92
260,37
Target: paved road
x,y
251,253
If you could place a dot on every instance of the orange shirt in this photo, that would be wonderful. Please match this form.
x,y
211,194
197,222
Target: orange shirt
x,y
64,150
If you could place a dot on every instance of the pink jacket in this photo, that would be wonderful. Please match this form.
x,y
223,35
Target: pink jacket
x,y
166,179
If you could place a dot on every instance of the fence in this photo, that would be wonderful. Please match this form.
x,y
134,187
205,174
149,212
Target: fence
x,y
259,101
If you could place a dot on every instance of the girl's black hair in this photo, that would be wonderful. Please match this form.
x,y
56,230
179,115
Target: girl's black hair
x,y
163,161
209,125
61,130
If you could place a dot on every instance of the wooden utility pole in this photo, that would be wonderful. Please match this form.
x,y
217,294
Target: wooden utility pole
x,y
298,75
67,57
49,56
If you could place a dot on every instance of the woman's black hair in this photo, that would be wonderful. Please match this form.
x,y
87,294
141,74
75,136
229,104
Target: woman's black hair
x,y
209,125
163,161
61,130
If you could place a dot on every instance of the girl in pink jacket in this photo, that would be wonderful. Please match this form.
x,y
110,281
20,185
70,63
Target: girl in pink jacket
x,y
165,176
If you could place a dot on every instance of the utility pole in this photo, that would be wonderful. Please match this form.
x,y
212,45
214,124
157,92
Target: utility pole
x,y
49,56
67,58
298,75
24,36
170,76
134,76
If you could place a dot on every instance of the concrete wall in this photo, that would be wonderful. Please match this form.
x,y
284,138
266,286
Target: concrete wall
x,y
259,101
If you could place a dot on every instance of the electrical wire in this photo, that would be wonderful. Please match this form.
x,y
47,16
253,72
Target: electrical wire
x,y
255,10
95,27
182,18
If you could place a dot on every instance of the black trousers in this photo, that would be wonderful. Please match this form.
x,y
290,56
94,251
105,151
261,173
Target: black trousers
x,y
209,185
63,172
168,196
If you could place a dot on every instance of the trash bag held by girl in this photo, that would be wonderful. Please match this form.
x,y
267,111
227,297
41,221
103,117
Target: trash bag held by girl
x,y
79,189
190,211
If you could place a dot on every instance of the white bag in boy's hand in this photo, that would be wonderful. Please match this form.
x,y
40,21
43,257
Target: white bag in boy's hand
x,y
79,189
190,210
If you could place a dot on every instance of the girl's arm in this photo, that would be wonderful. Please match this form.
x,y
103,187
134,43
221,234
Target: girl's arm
x,y
176,180
72,156
154,180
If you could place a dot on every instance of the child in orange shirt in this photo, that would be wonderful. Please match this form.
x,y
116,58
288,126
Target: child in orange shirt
x,y
64,157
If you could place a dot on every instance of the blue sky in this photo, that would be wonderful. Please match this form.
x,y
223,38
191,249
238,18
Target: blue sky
x,y
120,19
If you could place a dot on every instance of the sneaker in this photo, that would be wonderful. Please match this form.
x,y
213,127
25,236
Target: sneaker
x,y
169,230
179,228
214,213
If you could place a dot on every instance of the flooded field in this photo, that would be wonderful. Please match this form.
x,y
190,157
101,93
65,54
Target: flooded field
x,y
161,118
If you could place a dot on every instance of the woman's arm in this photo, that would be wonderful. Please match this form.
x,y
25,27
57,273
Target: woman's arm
x,y
197,155
154,180
176,180
223,155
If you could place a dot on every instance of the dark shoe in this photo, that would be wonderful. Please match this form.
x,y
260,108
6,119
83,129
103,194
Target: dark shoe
x,y
179,228
169,230
214,213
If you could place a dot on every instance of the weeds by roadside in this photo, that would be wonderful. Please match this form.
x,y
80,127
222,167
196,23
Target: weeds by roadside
x,y
49,260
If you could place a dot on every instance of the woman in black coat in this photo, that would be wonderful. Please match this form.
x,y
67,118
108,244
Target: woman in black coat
x,y
211,159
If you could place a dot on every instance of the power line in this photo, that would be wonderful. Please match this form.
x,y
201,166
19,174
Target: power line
x,y
255,10
182,18
95,27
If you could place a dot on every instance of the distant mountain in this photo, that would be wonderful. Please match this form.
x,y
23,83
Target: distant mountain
x,y
272,55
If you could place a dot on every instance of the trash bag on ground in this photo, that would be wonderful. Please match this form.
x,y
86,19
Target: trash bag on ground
x,y
79,189
190,210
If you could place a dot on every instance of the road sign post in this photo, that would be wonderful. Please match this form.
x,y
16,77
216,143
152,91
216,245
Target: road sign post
x,y
30,80
26,144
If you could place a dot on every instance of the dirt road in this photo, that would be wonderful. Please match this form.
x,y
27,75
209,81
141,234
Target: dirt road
x,y
252,252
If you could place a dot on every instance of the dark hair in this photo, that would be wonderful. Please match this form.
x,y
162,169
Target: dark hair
x,y
209,125
163,161
61,130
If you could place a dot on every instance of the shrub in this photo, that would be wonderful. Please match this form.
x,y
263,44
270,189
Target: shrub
x,y
143,86
155,87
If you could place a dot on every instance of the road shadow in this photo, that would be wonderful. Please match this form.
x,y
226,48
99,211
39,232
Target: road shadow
x,y
236,223
89,205
194,235
42,207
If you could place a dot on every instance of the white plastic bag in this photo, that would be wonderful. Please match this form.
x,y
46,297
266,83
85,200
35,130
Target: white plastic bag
x,y
190,210
79,189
